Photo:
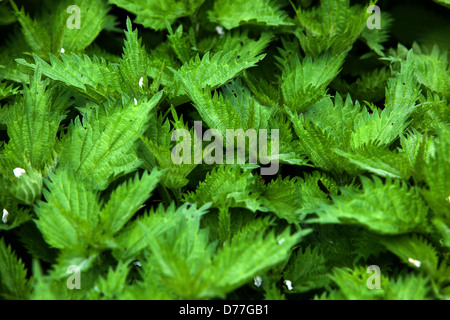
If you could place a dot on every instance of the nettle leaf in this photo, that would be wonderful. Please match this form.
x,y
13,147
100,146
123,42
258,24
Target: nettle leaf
x,y
437,193
350,282
53,33
33,124
383,207
240,41
375,37
380,161
370,86
13,276
135,236
104,145
211,70
12,214
126,200
134,62
332,26
281,196
158,149
383,127
250,253
73,218
413,250
70,214
181,44
155,13
232,14
418,149
93,19
318,144
7,90
304,82
306,270
432,69
227,186
443,2
96,79
196,270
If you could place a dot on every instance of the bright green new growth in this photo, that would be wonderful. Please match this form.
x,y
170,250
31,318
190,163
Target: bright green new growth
x,y
89,121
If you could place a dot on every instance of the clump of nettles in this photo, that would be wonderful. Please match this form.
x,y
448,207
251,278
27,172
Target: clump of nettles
x,y
353,101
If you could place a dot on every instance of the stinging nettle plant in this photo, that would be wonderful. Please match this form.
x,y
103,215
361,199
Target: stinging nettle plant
x,y
94,96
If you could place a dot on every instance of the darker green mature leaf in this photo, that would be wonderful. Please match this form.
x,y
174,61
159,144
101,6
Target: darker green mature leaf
x,y
37,38
332,26
307,270
437,194
232,14
156,13
413,250
380,161
375,37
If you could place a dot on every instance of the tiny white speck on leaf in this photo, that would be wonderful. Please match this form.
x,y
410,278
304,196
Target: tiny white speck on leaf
x,y
141,81
62,50
416,263
18,172
219,30
5,216
280,241
258,281
288,284
137,264
135,102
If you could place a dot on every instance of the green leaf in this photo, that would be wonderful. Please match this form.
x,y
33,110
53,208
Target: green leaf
x,y
305,81
126,200
93,19
104,145
13,275
232,14
33,124
95,79
414,251
388,207
156,13
209,71
134,62
70,214
307,270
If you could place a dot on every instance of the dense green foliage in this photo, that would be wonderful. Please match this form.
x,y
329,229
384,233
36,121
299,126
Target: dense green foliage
x,y
87,179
